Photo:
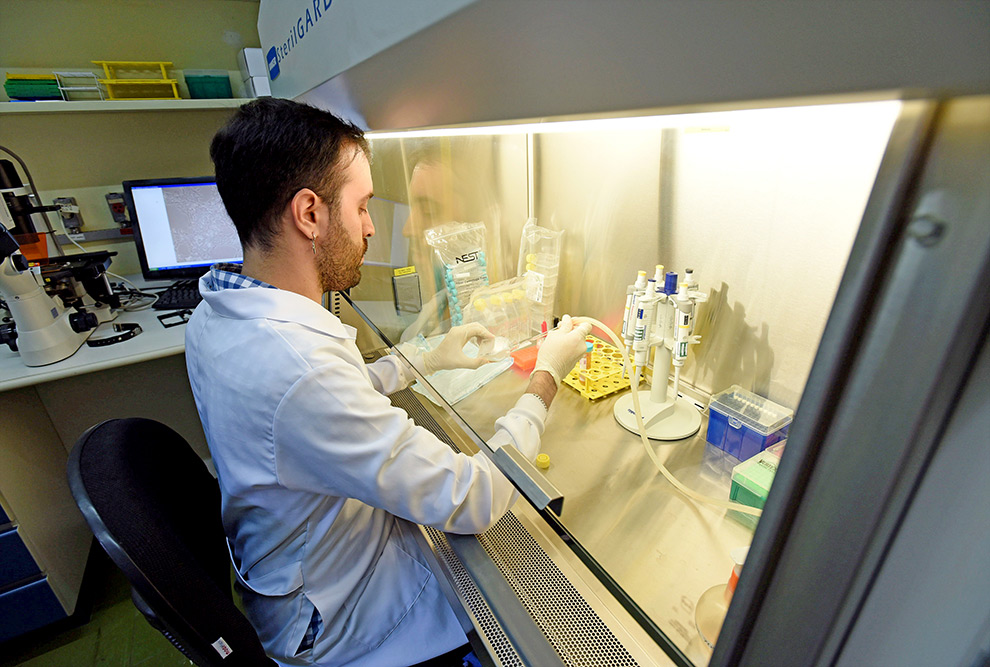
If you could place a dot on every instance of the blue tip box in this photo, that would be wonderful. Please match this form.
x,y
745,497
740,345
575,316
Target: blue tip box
x,y
744,424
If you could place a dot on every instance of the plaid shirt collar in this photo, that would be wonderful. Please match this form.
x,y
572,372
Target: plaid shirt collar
x,y
228,276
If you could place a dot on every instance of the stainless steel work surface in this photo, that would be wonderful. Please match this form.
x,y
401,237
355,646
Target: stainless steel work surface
x,y
662,548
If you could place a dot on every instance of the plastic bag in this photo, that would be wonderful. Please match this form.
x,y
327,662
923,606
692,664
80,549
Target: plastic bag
x,y
457,383
539,262
459,254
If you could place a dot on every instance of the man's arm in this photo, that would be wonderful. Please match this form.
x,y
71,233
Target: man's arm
x,y
543,385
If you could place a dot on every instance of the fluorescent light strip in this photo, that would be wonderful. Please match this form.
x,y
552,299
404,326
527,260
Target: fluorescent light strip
x,y
693,120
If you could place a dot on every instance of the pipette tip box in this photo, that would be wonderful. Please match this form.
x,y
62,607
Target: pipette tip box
x,y
751,481
743,424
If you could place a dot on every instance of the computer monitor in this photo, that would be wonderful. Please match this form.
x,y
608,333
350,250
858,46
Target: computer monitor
x,y
180,227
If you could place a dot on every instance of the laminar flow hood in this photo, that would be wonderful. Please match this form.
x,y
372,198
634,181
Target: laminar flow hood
x,y
822,168
390,64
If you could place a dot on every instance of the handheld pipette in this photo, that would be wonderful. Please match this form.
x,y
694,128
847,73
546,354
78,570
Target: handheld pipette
x,y
638,290
625,315
683,306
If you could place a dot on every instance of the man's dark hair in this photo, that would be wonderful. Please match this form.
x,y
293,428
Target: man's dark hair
x,y
272,148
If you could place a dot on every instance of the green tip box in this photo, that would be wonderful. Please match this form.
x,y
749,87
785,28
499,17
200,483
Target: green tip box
x,y
751,482
208,83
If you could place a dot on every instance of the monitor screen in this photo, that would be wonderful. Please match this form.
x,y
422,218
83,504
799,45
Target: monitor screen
x,y
180,227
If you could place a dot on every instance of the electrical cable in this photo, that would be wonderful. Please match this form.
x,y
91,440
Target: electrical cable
x,y
135,292
34,190
690,493
67,235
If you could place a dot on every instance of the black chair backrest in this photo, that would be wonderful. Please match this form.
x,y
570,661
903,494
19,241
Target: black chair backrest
x,y
154,507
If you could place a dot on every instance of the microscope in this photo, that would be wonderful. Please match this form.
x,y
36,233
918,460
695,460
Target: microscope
x,y
55,304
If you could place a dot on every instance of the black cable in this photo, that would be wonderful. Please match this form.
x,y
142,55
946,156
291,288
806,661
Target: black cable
x,y
34,190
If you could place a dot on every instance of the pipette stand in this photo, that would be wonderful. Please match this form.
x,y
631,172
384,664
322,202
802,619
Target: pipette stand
x,y
666,415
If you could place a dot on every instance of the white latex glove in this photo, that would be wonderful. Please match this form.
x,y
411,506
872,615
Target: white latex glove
x,y
562,348
449,353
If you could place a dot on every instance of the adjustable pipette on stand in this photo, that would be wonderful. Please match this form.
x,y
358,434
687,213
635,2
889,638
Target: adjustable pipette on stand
x,y
666,415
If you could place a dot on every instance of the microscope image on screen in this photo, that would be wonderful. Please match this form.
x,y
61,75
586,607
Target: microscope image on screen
x,y
199,224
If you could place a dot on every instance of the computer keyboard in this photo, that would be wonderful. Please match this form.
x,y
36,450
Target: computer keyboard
x,y
182,294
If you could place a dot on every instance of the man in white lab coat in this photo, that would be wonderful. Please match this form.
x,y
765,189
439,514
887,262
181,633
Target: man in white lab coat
x,y
322,478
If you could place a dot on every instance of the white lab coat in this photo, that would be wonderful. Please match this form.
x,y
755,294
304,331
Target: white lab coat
x,y
321,476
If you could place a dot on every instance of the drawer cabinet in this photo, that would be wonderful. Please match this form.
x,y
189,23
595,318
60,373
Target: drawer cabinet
x,y
29,605
16,562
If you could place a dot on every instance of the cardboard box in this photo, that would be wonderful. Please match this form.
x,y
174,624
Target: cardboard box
x,y
257,86
252,63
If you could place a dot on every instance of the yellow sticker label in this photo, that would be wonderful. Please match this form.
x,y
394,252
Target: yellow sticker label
x,y
404,271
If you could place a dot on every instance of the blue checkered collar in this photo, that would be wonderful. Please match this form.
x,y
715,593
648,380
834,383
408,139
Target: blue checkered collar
x,y
228,276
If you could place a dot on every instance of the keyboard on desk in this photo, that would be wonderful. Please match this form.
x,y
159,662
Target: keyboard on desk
x,y
181,295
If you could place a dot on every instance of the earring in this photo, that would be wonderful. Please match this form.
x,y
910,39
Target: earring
x,y
313,243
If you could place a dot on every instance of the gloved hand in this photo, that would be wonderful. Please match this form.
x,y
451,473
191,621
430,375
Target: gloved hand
x,y
562,348
449,353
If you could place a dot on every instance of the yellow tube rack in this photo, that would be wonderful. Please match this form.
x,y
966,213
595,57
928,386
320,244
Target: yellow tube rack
x,y
147,88
603,375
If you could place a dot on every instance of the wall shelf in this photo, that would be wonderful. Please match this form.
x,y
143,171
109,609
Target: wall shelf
x,y
96,106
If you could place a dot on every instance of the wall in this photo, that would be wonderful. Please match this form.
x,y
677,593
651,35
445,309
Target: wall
x,y
68,34
763,204
86,155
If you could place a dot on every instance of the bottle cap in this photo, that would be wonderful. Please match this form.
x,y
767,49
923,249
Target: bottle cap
x,y
543,461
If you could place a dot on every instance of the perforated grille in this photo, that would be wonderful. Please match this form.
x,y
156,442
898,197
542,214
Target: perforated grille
x,y
407,400
335,302
488,627
576,632
572,627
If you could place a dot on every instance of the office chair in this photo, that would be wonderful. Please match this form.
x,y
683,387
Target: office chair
x,y
155,509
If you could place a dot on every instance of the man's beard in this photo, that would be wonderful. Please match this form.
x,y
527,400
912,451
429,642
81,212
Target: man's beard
x,y
338,261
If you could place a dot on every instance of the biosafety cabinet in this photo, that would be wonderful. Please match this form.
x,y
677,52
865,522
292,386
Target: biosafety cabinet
x,y
817,176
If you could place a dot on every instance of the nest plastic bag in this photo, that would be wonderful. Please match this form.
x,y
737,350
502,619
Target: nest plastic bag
x,y
459,256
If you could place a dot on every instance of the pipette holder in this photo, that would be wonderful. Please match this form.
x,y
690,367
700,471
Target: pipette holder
x,y
666,414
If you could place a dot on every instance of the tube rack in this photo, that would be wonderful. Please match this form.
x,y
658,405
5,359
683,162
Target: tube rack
x,y
603,375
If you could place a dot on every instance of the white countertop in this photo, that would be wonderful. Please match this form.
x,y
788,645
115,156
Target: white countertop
x,y
153,342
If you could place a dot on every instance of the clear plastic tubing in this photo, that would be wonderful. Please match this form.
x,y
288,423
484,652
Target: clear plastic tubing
x,y
690,493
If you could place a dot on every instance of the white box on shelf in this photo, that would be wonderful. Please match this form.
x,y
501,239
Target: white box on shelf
x,y
251,63
257,86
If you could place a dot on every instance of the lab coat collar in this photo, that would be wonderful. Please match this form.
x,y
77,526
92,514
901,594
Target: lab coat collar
x,y
248,303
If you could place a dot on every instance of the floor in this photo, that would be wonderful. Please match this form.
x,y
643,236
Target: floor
x,y
107,631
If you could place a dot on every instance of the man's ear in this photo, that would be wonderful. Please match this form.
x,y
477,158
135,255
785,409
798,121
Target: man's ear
x,y
304,209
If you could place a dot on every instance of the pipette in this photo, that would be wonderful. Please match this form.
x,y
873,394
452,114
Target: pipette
x,y
629,326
